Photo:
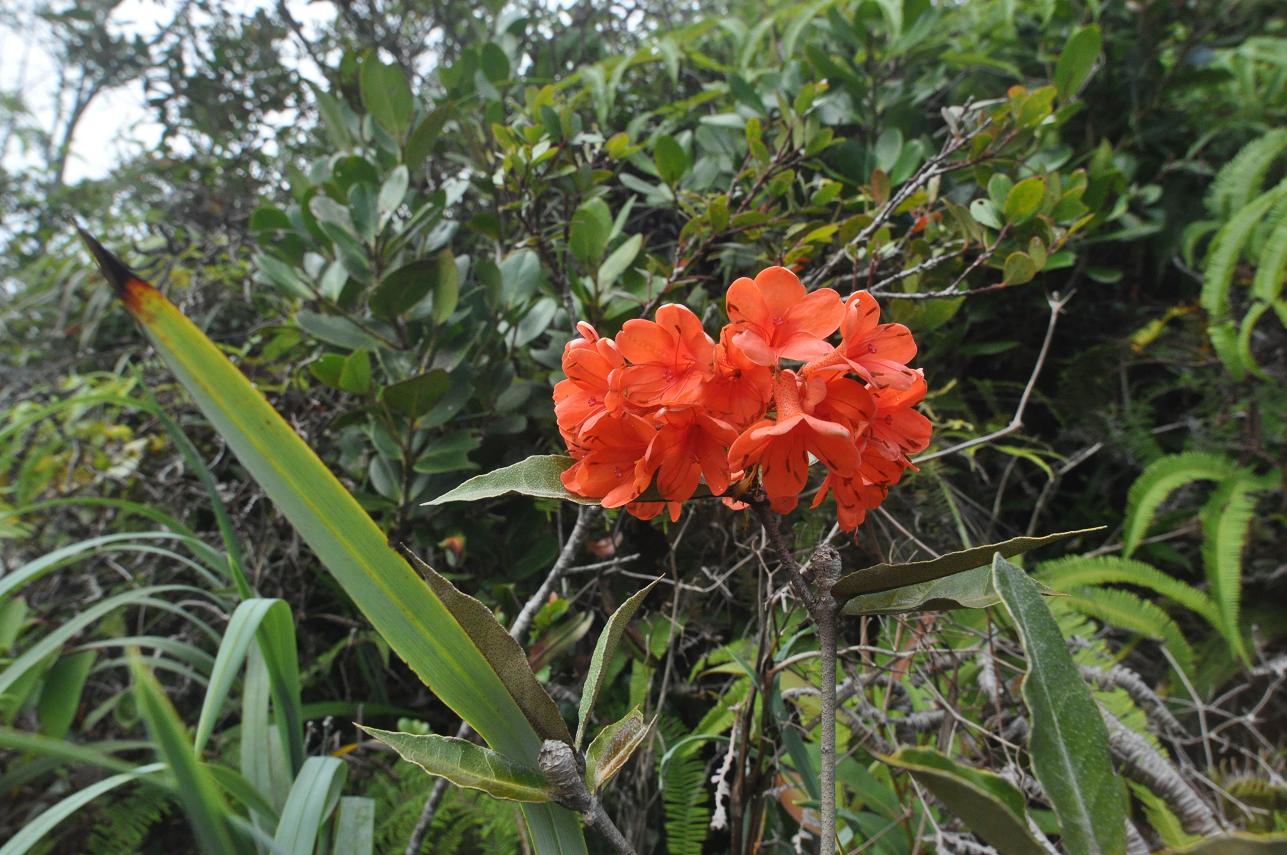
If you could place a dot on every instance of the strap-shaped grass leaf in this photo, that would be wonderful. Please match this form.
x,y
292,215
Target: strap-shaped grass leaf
x,y
971,589
197,791
401,607
503,654
990,806
270,620
36,828
1068,740
604,649
468,765
60,696
538,476
312,798
887,577
613,747
355,826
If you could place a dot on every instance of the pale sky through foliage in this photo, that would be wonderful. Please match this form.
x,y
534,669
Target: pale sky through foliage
x,y
118,121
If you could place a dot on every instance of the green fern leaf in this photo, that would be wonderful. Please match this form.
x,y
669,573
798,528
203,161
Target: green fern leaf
x,y
1066,574
1131,612
683,790
1268,281
1226,248
1241,178
1162,477
1226,524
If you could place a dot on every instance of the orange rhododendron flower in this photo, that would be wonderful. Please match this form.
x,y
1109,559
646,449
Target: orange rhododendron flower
x,y
774,318
664,406
669,359
877,352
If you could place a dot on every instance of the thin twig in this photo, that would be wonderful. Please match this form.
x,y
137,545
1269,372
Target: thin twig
x,y
1057,304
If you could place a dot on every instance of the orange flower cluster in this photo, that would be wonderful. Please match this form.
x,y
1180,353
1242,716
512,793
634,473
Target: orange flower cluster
x,y
665,403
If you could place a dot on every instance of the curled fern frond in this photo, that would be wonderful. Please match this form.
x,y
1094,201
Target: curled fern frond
x,y
1161,478
1129,611
1067,574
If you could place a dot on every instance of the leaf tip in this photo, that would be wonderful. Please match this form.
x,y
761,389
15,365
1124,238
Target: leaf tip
x,y
129,287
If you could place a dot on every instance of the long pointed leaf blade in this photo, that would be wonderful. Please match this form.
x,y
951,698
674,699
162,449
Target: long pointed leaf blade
x,y
197,791
503,653
312,797
468,765
990,806
886,577
1068,742
604,649
380,582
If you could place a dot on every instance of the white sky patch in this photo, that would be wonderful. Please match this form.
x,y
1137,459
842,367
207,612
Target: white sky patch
x,y
118,123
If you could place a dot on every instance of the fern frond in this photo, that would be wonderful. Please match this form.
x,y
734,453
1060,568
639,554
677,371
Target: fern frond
x,y
1131,612
1226,248
1226,524
1268,281
1162,477
684,799
1241,178
1066,574
126,822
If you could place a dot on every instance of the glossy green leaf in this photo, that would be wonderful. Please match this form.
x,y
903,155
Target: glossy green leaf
x,y
604,649
468,765
537,475
197,791
990,806
672,161
887,577
1024,199
386,95
589,231
618,262
312,798
402,288
1076,60
335,330
1068,739
384,587
418,395
422,139
613,747
60,696
503,654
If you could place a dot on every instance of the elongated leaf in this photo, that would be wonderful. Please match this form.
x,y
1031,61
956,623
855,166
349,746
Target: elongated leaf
x,y
235,785
197,791
1078,571
503,654
886,577
1076,60
386,95
1131,612
468,765
312,798
271,621
604,649
618,262
354,826
1236,844
400,606
1068,742
991,806
538,475
1226,523
613,747
971,589
36,828
61,694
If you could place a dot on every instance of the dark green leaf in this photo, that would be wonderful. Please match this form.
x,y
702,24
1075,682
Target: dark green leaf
x,y
971,589
1076,60
60,696
1068,741
990,806
672,161
887,577
415,397
386,95
604,649
336,330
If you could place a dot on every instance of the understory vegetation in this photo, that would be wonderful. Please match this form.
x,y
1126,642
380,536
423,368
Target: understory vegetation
x,y
392,218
